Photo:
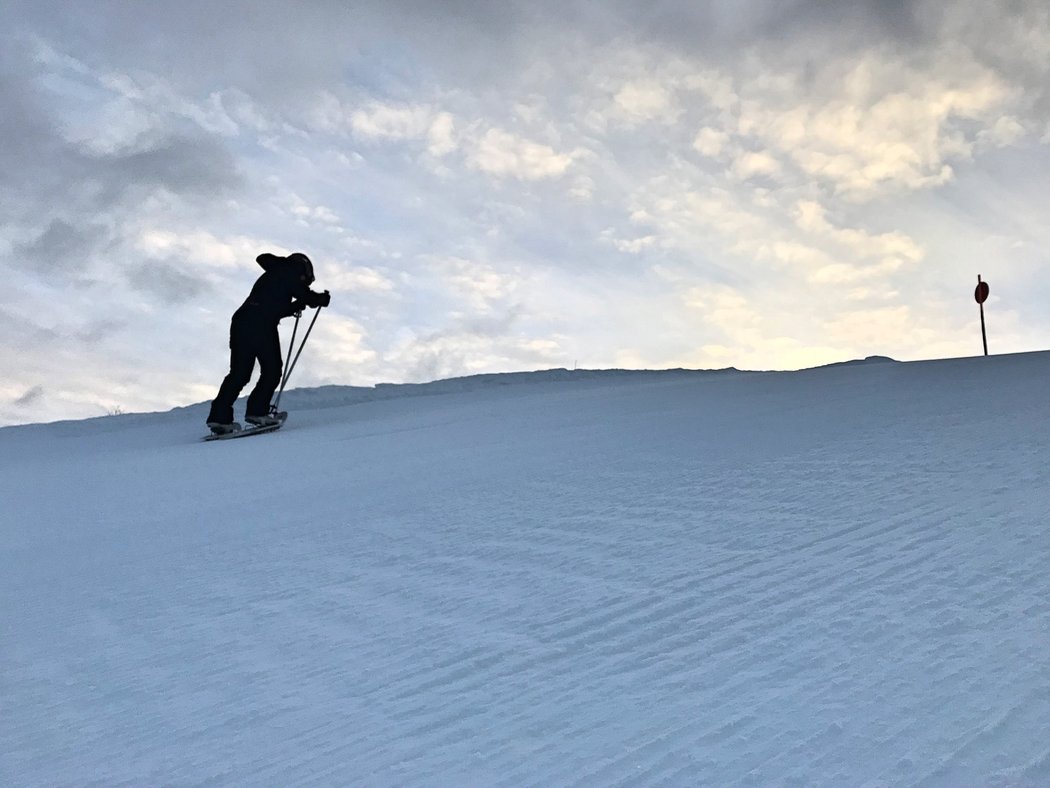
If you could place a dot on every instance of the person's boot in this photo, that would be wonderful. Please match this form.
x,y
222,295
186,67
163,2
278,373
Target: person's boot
x,y
262,421
223,428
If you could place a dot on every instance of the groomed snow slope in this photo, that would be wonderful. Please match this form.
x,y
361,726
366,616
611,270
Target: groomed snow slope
x,y
839,576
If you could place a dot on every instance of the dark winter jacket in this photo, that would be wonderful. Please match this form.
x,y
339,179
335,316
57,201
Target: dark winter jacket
x,y
282,290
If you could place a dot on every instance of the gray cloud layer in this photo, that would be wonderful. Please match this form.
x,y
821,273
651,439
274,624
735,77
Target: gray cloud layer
x,y
515,184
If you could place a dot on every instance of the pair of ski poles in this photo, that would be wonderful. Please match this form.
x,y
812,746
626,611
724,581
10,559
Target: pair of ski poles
x,y
291,344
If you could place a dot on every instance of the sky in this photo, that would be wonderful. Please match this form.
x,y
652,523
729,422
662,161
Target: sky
x,y
762,184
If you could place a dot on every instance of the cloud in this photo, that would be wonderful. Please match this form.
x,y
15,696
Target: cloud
x,y
52,118
872,328
374,122
879,122
643,100
390,122
710,142
888,251
811,216
29,133
754,164
139,100
1006,131
486,187
503,154
353,279
858,22
73,207
62,249
441,135
474,346
479,285
192,166
635,245
31,397
170,283
728,312
99,330
313,215
344,341
201,41
200,249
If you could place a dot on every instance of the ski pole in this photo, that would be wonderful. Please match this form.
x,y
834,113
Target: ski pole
x,y
291,344
288,373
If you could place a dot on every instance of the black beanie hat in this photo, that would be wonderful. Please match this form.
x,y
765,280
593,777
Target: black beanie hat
x,y
304,264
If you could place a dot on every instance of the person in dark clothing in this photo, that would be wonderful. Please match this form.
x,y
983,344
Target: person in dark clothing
x,y
282,290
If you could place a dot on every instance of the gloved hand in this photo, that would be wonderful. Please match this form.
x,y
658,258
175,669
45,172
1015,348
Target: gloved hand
x,y
319,299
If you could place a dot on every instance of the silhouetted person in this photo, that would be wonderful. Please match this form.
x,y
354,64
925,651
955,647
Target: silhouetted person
x,y
282,290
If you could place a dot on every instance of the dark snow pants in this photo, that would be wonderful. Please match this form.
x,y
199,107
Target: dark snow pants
x,y
251,337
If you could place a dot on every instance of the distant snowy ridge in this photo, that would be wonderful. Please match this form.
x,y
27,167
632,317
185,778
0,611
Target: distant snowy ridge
x,y
334,395
859,361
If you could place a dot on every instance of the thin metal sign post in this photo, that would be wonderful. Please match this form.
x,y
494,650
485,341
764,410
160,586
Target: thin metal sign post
x,y
981,295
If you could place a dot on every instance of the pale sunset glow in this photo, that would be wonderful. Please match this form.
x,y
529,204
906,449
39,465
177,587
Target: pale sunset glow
x,y
496,187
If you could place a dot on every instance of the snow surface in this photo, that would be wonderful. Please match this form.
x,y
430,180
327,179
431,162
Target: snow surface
x,y
839,576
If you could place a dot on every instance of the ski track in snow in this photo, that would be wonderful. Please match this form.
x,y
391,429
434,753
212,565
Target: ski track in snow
x,y
833,577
